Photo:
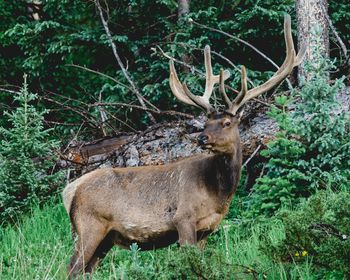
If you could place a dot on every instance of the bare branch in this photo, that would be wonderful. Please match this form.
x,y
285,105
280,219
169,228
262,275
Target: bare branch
x,y
84,115
251,156
99,73
108,77
121,65
341,43
191,67
192,47
9,90
119,120
61,123
167,112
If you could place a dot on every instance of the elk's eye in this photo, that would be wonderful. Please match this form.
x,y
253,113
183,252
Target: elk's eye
x,y
226,124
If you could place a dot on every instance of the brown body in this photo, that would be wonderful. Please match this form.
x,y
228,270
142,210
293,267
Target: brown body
x,y
184,201
145,205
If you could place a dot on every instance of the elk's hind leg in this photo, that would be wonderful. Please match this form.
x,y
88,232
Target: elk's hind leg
x,y
90,235
100,252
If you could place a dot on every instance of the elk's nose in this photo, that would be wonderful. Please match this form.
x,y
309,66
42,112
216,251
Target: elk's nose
x,y
203,139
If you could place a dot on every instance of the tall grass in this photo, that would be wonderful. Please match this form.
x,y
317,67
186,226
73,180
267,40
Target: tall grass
x,y
39,247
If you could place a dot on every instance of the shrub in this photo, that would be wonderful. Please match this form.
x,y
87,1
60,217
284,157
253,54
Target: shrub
x,y
26,158
318,229
312,149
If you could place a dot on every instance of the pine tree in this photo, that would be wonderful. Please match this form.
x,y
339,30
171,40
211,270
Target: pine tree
x,y
312,149
26,157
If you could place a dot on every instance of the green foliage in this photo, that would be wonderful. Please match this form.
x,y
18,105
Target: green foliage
x,y
312,149
184,263
26,160
70,32
319,229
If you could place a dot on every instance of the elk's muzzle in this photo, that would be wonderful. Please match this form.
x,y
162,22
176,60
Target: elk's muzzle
x,y
203,139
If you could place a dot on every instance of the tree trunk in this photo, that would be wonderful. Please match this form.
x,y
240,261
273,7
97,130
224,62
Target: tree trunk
x,y
182,10
312,31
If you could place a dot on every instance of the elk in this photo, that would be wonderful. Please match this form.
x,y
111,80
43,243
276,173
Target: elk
x,y
184,201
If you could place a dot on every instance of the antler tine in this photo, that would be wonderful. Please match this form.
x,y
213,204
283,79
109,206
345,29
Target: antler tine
x,y
198,100
176,86
210,78
244,89
182,92
290,61
222,89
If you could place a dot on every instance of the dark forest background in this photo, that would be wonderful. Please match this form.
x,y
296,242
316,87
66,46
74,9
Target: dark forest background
x,y
65,97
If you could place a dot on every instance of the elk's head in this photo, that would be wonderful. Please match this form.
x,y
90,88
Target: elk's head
x,y
220,134
221,130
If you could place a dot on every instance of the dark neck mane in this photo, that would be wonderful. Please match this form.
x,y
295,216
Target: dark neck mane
x,y
223,172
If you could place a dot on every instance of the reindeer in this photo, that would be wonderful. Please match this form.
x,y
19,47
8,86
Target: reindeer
x,y
184,201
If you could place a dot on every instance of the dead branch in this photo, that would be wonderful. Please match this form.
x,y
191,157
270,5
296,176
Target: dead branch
x,y
119,120
89,105
233,65
99,73
341,43
167,112
67,98
252,155
121,65
61,123
9,90
191,67
84,115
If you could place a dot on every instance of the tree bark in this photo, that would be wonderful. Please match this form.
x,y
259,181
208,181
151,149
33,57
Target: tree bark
x,y
182,10
312,15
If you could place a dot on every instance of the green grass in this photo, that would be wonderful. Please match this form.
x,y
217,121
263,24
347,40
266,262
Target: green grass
x,y
39,247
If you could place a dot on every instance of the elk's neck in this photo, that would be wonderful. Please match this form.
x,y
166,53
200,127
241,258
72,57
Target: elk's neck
x,y
224,171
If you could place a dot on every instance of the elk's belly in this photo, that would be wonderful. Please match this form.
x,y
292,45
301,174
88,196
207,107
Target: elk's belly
x,y
146,241
149,238
147,233
158,242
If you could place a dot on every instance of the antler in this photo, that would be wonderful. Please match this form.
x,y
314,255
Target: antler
x,y
240,95
182,92
289,63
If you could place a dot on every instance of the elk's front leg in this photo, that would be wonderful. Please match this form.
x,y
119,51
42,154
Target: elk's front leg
x,y
186,228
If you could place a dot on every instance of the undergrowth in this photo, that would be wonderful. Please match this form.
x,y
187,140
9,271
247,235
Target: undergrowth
x,y
39,247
